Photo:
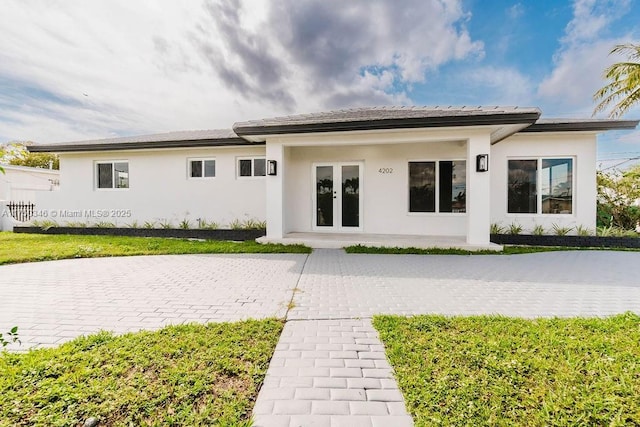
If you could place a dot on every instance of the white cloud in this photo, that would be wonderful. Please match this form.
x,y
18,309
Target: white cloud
x,y
506,86
151,65
583,56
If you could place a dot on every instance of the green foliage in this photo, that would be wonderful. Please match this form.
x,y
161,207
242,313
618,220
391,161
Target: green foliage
x,y
207,225
623,87
561,231
515,228
508,250
12,337
22,247
76,224
583,231
615,232
236,224
617,193
181,375
149,224
37,160
488,370
185,224
45,224
166,224
16,153
496,228
538,230
104,224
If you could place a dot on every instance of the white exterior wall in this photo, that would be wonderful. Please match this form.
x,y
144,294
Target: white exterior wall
x,y
20,183
159,188
579,146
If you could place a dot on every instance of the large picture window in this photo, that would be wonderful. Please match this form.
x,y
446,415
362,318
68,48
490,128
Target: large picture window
x,y
540,185
438,186
111,175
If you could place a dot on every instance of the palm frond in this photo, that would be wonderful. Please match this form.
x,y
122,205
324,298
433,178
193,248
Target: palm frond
x,y
623,88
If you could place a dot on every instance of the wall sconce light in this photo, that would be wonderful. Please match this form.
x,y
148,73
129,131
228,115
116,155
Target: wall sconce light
x,y
482,162
272,167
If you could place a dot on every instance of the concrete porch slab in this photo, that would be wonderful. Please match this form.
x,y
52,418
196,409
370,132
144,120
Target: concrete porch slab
x,y
341,240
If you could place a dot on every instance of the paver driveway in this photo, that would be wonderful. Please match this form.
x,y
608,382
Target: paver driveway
x,y
336,285
55,301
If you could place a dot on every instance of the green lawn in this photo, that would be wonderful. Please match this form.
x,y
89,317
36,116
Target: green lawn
x,y
18,247
180,375
480,371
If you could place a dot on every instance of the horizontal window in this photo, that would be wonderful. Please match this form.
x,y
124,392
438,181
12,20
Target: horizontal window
x,y
540,185
251,167
112,174
438,186
202,168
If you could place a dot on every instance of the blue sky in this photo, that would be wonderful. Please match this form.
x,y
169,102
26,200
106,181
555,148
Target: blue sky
x,y
72,70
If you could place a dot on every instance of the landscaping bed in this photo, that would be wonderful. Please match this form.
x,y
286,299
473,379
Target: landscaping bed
x,y
569,241
180,375
192,233
489,370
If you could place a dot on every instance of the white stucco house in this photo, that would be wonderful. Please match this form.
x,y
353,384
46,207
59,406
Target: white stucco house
x,y
419,175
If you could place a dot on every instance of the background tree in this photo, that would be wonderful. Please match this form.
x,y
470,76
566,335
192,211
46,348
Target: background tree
x,y
623,88
16,153
618,195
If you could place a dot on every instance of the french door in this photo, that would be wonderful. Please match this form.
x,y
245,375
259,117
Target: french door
x,y
337,201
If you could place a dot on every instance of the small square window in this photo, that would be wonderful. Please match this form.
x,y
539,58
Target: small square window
x,y
205,168
252,167
112,175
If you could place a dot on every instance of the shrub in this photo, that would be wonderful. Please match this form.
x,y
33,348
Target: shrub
x,y
515,228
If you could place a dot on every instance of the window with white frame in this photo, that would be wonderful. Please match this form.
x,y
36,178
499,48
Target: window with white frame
x,y
202,168
540,185
438,186
112,174
251,166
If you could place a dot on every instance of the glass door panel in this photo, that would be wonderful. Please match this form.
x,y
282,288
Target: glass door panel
x,y
324,196
350,195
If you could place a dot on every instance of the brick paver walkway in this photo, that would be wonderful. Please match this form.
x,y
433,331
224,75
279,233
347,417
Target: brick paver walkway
x,y
329,367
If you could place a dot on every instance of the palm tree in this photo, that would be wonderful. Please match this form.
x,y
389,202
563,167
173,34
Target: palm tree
x,y
623,88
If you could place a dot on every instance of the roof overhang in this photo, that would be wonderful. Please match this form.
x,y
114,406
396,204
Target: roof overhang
x,y
577,125
110,146
520,120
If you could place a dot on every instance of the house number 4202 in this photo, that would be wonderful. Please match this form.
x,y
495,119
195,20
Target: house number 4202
x,y
385,170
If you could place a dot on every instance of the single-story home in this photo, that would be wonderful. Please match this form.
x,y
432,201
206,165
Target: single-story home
x,y
436,175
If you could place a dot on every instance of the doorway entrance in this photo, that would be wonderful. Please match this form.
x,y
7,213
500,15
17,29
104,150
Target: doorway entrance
x,y
337,201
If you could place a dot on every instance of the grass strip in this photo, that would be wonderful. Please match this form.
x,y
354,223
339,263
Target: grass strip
x,y
19,247
180,375
489,370
508,250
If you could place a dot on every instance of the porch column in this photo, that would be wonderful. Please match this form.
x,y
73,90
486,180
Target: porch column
x,y
478,192
275,191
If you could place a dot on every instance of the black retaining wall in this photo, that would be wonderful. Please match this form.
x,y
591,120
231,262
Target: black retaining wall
x,y
237,235
573,241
